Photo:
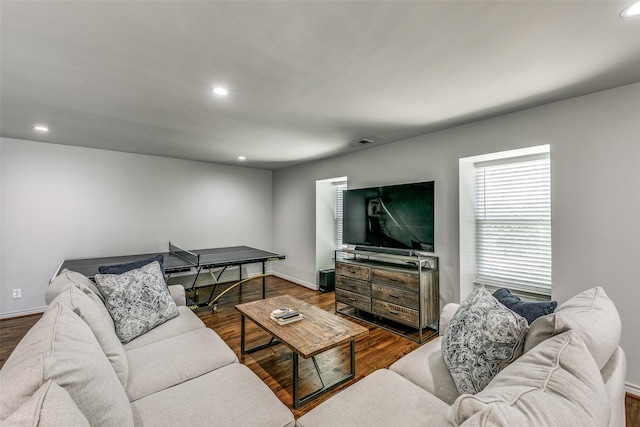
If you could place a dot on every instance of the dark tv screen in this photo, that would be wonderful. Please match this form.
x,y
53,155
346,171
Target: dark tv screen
x,y
394,216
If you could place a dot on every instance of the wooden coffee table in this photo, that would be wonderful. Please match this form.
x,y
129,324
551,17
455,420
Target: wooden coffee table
x,y
318,332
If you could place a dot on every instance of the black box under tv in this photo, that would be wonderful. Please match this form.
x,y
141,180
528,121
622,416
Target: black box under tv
x,y
327,280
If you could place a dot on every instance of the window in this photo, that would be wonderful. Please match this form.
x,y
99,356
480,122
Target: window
x,y
328,219
513,223
338,189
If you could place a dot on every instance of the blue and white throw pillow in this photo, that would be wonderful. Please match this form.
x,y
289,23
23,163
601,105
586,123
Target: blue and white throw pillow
x,y
482,338
137,300
529,310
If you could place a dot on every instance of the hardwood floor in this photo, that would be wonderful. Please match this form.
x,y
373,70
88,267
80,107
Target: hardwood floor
x,y
11,332
632,409
378,349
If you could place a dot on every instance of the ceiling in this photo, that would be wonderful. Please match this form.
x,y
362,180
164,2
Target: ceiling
x,y
306,79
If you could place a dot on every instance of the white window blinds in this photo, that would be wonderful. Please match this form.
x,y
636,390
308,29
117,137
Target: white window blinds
x,y
338,188
513,223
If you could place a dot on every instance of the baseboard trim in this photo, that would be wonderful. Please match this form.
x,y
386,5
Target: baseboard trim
x,y
296,281
633,390
22,313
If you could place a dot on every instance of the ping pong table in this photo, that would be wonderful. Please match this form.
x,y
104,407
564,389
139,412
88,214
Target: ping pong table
x,y
178,260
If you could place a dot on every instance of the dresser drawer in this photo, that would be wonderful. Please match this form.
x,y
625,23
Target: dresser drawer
x,y
395,312
358,301
352,270
395,295
396,278
353,285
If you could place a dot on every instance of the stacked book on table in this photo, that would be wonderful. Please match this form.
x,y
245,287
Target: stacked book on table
x,y
283,316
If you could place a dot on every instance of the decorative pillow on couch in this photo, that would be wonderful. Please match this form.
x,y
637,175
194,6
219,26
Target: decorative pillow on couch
x,y
123,268
529,310
482,338
138,300
592,315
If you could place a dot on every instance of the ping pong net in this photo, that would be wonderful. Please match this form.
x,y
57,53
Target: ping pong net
x,y
184,254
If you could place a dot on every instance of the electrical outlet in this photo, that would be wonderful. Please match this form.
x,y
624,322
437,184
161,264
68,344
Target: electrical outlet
x,y
17,293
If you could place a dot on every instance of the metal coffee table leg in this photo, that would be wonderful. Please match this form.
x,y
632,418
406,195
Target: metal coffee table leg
x,y
297,401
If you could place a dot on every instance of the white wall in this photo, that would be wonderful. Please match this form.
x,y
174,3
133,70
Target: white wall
x,y
595,195
67,202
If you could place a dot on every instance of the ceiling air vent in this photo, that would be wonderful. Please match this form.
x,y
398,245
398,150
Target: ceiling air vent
x,y
365,141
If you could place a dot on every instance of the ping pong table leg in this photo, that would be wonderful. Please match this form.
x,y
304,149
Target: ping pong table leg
x,y
264,288
242,332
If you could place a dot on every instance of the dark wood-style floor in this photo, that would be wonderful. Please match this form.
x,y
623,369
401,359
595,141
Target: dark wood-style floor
x,y
378,349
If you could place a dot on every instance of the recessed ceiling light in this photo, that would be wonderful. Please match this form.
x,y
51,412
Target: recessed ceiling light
x,y
242,158
632,10
41,128
218,90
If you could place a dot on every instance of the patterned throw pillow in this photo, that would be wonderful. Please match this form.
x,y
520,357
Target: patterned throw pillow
x,y
137,300
482,338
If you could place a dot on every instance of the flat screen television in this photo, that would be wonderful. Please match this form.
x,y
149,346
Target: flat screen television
x,y
394,216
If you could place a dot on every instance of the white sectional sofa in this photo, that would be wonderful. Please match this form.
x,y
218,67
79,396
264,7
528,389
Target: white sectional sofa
x,y
71,370
571,373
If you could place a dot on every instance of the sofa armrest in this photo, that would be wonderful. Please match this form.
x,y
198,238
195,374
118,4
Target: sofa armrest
x,y
177,293
447,313
614,374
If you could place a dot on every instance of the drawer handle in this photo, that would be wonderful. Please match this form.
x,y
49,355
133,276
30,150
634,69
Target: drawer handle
x,y
394,296
393,312
351,299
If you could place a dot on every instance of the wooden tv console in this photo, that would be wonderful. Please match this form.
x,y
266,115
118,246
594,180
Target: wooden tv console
x,y
389,290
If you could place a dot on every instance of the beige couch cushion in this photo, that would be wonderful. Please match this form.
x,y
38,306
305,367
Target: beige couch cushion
x,y
425,368
186,321
231,396
61,347
71,278
591,314
103,330
166,363
382,398
556,384
178,294
49,406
